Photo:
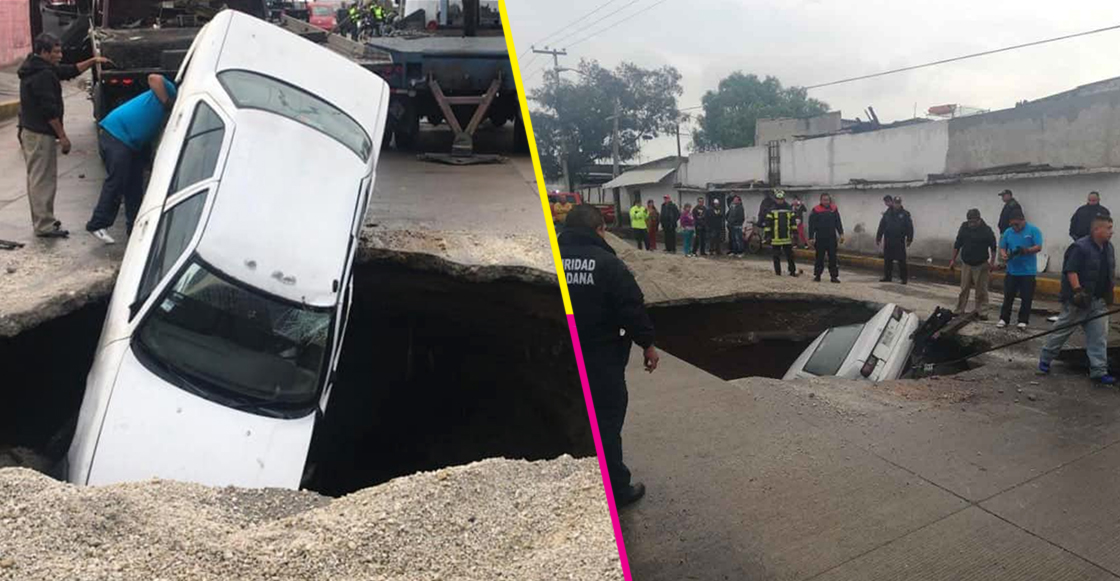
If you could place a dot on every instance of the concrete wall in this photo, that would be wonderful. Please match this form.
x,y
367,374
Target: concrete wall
x,y
731,165
648,192
15,31
904,153
939,210
1081,129
767,130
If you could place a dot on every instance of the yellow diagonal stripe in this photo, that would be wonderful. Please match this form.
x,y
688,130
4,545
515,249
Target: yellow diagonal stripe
x,y
541,189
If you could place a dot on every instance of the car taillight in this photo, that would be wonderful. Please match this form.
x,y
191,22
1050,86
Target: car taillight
x,y
113,81
126,82
869,366
897,314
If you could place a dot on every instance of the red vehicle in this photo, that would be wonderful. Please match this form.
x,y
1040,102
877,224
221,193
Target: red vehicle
x,y
555,198
322,15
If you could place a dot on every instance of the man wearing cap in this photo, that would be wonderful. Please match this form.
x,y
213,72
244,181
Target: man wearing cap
x,y
1010,206
1018,247
1088,280
1079,224
670,214
736,217
717,220
976,247
700,218
897,228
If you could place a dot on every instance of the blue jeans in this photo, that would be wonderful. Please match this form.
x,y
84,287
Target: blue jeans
x,y
1096,336
124,181
687,234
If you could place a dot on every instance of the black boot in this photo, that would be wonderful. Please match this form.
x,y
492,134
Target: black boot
x,y
630,495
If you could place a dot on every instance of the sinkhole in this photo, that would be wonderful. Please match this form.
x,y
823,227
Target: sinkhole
x,y
763,335
437,369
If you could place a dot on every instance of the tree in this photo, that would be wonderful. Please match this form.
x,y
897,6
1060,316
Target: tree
x,y
572,115
732,110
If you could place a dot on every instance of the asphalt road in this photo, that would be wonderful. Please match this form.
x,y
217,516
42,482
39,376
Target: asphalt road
x,y
991,474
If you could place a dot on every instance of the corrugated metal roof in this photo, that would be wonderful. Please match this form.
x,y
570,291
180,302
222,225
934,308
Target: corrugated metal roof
x,y
640,176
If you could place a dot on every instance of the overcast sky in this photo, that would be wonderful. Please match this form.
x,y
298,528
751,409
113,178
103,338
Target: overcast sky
x,y
806,42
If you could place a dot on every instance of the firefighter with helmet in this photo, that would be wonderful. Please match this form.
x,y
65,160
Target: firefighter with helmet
x,y
781,227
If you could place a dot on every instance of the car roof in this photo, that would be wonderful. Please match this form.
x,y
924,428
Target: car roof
x,y
255,45
284,209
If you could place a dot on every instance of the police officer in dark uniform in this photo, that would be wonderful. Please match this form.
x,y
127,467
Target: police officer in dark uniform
x,y
897,228
606,299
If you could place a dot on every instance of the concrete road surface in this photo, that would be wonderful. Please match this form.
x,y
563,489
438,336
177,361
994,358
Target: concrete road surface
x,y
995,473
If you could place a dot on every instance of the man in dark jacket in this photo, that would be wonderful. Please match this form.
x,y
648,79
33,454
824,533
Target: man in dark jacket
x,y
606,300
700,218
670,215
1079,224
717,219
824,229
41,131
736,217
897,228
769,200
1088,280
1010,206
976,247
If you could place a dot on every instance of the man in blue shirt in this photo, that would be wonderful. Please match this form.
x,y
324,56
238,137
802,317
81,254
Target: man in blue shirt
x,y
123,139
1018,247
1088,281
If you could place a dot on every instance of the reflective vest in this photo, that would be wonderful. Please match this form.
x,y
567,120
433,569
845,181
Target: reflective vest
x,y
378,13
355,15
781,223
638,217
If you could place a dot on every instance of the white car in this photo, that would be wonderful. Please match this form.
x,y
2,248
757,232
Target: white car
x,y
876,350
223,333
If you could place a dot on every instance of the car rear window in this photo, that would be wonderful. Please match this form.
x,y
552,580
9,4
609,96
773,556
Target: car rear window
x,y
833,350
255,91
322,11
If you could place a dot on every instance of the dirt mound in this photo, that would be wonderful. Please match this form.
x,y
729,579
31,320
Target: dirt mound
x,y
496,519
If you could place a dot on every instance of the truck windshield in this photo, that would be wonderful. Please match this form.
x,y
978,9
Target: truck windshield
x,y
234,345
253,91
833,350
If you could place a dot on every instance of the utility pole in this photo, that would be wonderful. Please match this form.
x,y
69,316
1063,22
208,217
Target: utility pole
x,y
678,137
614,138
556,54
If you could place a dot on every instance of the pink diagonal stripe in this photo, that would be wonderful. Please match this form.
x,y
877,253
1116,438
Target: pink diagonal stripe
x,y
599,449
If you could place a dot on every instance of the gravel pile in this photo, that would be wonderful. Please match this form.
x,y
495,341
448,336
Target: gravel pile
x,y
496,519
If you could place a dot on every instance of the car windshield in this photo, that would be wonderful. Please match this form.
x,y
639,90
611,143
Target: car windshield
x,y
833,350
322,11
253,91
225,341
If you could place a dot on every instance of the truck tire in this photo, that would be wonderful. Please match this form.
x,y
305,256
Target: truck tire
x,y
407,127
100,102
520,139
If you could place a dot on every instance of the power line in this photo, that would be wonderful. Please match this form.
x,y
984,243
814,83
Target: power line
x,y
571,34
574,22
600,31
960,58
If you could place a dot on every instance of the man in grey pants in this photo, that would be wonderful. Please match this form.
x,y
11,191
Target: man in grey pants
x,y
41,133
1088,280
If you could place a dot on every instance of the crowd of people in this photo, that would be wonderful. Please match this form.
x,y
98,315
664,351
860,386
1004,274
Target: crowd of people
x,y
704,229
610,310
124,139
